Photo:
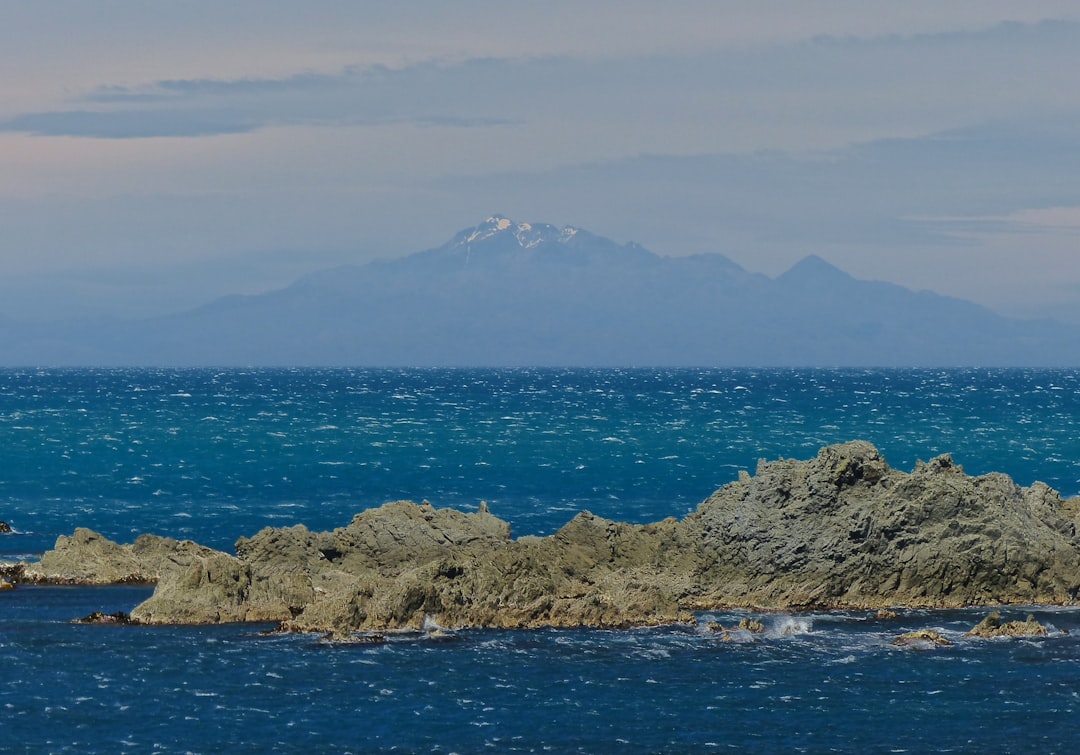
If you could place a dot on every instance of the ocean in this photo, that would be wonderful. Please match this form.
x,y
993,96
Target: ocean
x,y
213,455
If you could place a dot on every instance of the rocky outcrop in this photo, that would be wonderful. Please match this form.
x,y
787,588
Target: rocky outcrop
x,y
406,565
991,626
5,528
88,558
842,530
845,530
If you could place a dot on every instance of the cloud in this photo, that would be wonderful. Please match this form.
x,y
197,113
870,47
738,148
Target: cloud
x,y
126,124
208,107
815,93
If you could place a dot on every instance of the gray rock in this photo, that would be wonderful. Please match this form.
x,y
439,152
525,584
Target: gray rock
x,y
845,530
842,530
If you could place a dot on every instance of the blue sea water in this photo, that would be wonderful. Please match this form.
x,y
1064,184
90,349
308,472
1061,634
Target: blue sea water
x,y
213,455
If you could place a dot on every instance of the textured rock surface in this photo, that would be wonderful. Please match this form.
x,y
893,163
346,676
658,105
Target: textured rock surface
x,y
5,528
842,530
845,530
88,558
991,626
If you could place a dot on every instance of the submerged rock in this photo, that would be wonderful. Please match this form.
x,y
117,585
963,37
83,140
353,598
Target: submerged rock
x,y
97,617
922,638
842,530
751,627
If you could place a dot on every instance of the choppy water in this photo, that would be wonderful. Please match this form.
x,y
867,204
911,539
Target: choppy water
x,y
214,455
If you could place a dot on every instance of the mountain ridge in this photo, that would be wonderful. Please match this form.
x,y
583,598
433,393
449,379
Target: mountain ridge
x,y
503,293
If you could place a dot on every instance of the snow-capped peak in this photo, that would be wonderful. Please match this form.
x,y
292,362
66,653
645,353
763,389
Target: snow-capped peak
x,y
528,235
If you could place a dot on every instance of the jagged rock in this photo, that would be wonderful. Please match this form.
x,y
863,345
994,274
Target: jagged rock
x,y
922,638
884,614
751,625
212,588
97,617
842,530
12,571
845,530
5,528
88,558
991,626
581,576
746,625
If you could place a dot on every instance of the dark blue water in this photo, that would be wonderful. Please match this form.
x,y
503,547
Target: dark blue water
x,y
215,455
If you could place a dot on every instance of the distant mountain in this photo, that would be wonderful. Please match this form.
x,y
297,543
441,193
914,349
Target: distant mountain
x,y
515,294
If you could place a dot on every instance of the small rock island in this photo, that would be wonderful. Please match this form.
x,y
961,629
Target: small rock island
x,y
840,531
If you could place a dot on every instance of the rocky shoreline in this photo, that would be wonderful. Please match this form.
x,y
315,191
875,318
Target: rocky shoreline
x,y
840,531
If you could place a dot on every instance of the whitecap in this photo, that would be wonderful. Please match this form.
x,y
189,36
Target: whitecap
x,y
789,626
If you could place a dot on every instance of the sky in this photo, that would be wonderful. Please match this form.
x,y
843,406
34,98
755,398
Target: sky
x,y
156,155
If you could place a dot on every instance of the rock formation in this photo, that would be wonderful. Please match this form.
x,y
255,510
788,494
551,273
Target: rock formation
x,y
922,638
991,626
87,558
5,528
842,530
845,530
403,564
97,617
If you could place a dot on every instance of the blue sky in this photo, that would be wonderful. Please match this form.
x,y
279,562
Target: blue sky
x,y
156,155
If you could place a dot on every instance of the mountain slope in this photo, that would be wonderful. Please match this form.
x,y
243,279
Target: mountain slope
x,y
513,294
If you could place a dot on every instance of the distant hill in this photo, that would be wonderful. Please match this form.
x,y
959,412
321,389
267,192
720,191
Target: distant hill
x,y
517,294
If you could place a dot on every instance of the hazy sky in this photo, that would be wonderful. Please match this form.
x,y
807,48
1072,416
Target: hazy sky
x,y
155,155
